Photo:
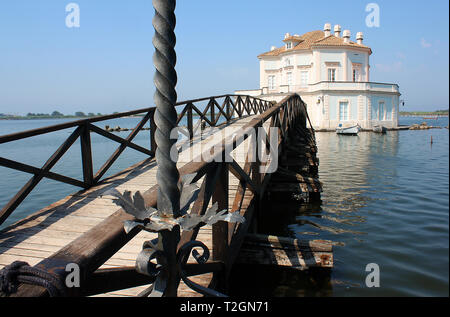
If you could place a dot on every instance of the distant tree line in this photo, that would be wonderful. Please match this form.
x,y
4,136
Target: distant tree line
x,y
54,115
425,113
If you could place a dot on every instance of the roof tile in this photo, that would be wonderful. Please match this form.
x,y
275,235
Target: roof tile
x,y
313,39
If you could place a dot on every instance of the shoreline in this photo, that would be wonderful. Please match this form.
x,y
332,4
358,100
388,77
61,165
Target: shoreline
x,y
194,115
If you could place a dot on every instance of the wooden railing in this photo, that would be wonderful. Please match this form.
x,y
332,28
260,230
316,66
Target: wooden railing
x,y
95,247
215,108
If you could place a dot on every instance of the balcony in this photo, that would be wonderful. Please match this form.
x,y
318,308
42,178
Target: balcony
x,y
324,86
351,86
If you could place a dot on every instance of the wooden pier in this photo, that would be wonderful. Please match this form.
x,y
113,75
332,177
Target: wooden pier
x,y
87,228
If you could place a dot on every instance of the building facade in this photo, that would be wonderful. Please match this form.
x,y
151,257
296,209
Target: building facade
x,y
332,75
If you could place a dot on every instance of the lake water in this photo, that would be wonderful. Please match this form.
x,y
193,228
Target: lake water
x,y
385,200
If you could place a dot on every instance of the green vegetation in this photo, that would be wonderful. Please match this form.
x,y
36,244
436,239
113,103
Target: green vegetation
x,y
424,113
54,115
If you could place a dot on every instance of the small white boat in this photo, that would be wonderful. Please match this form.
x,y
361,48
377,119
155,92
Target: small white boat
x,y
348,131
379,129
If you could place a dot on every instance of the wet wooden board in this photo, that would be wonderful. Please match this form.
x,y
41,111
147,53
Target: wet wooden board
x,y
286,252
294,188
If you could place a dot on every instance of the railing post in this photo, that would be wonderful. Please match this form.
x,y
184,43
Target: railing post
x,y
153,145
257,176
220,229
213,111
228,112
190,121
86,155
239,106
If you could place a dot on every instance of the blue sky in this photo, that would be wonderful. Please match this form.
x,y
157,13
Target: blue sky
x,y
106,64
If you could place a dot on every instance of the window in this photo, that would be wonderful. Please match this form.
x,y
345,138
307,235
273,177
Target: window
x,y
289,79
355,75
272,82
343,111
389,114
356,72
331,74
288,45
287,62
381,111
304,78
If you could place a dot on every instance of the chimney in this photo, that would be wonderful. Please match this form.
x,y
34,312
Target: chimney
x,y
359,38
273,48
346,36
327,29
287,35
337,30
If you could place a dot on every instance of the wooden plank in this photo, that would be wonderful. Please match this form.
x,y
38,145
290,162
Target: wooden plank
x,y
286,252
292,188
284,258
285,174
278,242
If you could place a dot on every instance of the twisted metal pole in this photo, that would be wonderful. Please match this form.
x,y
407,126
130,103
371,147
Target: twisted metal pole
x,y
165,98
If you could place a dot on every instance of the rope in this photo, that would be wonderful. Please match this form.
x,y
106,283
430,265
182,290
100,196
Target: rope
x,y
20,272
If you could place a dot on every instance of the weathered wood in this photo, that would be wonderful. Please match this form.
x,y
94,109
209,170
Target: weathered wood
x,y
298,161
109,280
99,236
278,242
294,188
190,122
120,140
286,252
285,175
36,171
32,183
285,258
220,229
201,204
86,155
119,150
240,174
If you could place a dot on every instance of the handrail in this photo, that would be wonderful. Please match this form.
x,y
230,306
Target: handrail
x,y
232,105
62,126
95,247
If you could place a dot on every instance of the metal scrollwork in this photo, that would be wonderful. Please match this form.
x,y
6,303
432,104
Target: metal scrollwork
x,y
183,255
175,194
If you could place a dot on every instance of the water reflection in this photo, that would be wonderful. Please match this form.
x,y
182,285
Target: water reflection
x,y
350,169
356,172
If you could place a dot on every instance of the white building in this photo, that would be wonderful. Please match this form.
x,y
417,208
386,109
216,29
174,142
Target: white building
x,y
332,75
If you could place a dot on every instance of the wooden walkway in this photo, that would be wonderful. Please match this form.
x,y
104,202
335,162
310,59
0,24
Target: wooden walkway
x,y
50,229
86,228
